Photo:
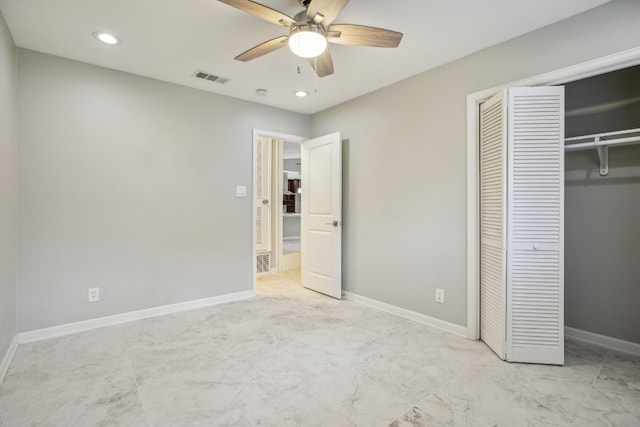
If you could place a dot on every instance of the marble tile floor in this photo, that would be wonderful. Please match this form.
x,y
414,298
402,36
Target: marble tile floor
x,y
291,357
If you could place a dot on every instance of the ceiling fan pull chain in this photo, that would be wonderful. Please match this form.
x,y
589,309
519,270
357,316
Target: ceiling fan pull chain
x,y
315,76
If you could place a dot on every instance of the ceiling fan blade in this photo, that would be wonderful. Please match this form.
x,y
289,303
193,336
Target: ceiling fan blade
x,y
261,11
361,35
323,64
329,9
263,49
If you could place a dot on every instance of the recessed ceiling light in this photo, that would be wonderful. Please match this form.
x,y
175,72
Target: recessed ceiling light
x,y
301,93
262,92
106,37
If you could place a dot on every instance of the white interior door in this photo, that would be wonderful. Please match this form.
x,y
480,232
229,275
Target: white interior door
x,y
535,277
322,215
493,227
263,195
522,224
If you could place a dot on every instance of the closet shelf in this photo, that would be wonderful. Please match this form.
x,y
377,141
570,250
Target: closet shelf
x,y
601,142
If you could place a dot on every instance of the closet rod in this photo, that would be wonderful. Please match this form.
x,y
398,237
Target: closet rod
x,y
605,134
601,142
600,139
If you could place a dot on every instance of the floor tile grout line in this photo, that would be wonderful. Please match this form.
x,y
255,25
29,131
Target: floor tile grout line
x,y
586,396
428,395
241,368
412,406
13,393
135,382
268,396
253,380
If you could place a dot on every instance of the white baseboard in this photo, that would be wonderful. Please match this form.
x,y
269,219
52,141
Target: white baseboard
x,y
86,325
8,357
408,314
603,341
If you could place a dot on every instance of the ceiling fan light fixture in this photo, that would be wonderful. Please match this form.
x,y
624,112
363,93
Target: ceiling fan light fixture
x,y
307,41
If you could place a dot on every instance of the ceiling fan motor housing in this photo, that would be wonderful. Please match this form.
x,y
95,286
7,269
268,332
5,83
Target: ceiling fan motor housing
x,y
301,18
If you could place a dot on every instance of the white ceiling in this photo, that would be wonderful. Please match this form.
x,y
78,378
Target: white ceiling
x,y
169,40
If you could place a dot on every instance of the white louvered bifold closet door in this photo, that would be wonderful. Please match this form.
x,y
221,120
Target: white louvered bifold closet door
x,y
535,218
263,195
493,190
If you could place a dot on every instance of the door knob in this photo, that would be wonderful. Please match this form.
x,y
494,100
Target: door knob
x,y
334,223
265,202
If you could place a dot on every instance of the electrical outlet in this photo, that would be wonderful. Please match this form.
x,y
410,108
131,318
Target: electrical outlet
x,y
93,294
440,295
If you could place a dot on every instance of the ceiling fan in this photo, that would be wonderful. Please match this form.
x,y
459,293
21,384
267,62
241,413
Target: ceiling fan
x,y
311,29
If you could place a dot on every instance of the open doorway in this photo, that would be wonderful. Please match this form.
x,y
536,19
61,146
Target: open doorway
x,y
277,203
317,190
291,206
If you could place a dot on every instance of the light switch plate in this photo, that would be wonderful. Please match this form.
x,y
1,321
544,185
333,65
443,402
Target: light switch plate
x,y
241,191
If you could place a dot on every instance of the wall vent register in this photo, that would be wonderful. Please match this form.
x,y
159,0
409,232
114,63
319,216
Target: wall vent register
x,y
263,262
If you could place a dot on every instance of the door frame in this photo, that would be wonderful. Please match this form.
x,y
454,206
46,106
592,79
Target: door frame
x,y
257,133
617,61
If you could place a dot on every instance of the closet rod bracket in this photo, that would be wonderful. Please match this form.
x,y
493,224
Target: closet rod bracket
x,y
603,156
601,142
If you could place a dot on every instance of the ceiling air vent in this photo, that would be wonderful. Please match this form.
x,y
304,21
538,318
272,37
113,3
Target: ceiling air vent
x,y
211,77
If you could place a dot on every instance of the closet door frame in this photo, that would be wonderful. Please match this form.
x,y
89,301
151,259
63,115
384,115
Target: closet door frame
x,y
595,67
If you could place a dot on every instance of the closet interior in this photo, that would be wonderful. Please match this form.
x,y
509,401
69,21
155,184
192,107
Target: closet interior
x,y
602,204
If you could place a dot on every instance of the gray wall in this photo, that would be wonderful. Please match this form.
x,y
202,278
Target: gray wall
x,y
293,165
602,227
8,195
128,184
605,103
291,227
405,158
